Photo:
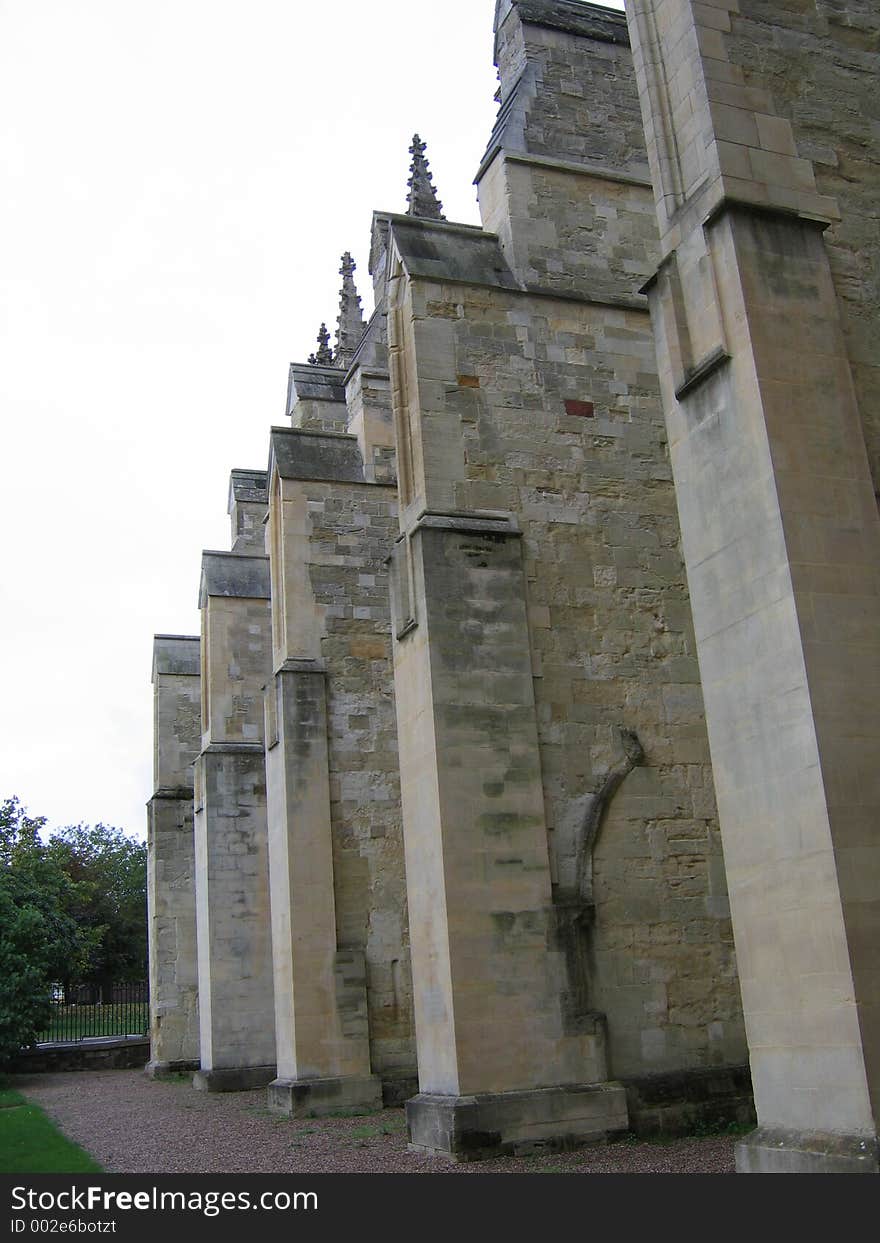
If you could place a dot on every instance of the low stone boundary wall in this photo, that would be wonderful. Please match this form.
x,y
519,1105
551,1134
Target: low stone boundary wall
x,y
683,1102
81,1055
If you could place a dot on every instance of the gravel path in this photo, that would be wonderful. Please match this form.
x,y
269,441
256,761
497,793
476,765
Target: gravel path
x,y
134,1125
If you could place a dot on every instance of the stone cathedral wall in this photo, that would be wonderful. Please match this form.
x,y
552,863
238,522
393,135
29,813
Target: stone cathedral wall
x,y
821,71
569,115
525,392
350,531
611,646
174,994
779,520
567,430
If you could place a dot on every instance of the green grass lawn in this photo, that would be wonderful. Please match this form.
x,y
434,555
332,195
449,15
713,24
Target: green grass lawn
x,y
31,1144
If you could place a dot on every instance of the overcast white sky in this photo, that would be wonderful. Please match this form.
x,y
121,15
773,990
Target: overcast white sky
x,y
180,179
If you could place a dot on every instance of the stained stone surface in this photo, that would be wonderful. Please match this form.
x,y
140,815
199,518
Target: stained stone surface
x,y
171,893
781,537
334,778
459,625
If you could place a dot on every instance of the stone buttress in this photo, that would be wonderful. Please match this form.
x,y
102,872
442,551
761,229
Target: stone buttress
x,y
237,1026
171,887
340,937
761,330
593,427
569,941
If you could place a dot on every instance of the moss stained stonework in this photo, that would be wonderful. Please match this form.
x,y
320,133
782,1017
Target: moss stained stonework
x,y
484,629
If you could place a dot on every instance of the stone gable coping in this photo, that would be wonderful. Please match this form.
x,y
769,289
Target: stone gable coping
x,y
590,21
175,654
300,453
244,576
307,382
248,485
436,251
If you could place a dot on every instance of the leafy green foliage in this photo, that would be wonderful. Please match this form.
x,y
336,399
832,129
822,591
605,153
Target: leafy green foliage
x,y
37,936
106,897
72,909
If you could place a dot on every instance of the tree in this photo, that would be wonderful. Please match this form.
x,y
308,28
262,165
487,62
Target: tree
x,y
107,898
72,909
38,938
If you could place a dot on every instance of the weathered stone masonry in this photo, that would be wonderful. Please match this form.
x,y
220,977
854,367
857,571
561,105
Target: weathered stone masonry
x,y
231,829
779,526
174,990
334,784
454,631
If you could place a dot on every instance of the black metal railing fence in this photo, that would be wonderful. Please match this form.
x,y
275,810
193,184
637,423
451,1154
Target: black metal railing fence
x,y
85,1011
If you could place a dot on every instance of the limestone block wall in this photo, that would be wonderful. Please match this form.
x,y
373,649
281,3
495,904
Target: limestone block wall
x,y
173,955
234,930
565,181
369,402
234,630
320,995
364,779
316,398
589,230
247,510
175,710
231,839
779,526
330,539
171,894
368,398
495,1009
780,106
820,69
549,410
583,105
785,591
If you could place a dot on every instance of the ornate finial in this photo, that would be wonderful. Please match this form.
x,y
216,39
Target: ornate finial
x,y
323,356
422,198
350,322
